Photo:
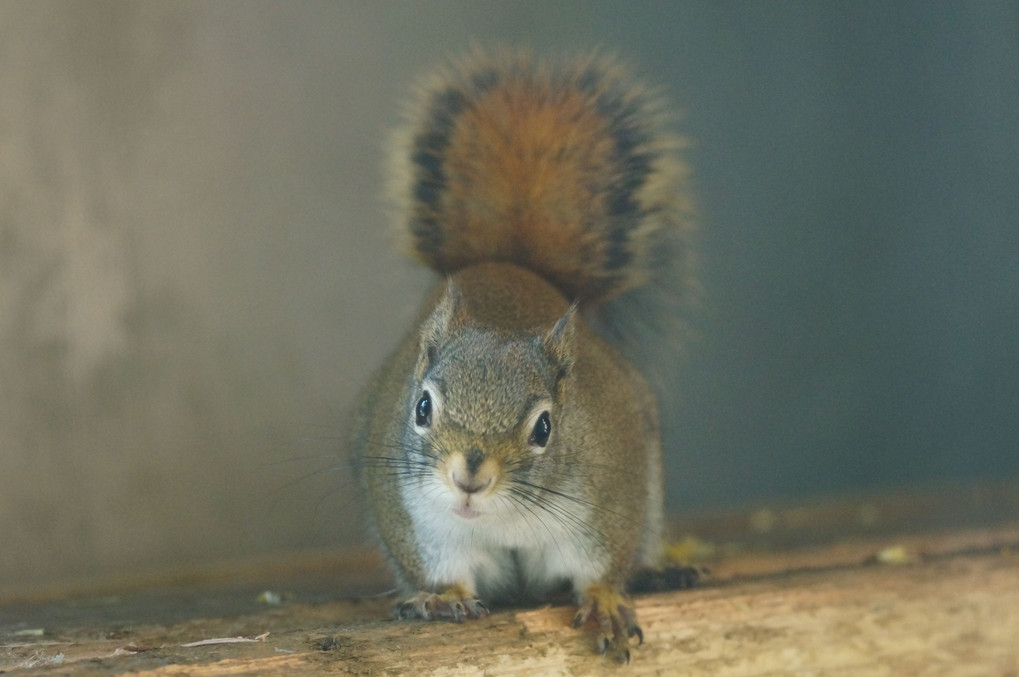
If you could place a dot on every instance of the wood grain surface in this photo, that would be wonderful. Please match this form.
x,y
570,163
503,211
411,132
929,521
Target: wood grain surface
x,y
933,602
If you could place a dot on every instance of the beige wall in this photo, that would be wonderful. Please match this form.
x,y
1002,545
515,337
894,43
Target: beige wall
x,y
191,266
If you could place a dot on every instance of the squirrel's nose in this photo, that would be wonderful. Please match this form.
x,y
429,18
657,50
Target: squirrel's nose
x,y
471,484
468,480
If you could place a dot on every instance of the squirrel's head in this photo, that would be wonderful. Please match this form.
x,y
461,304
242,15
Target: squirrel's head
x,y
486,405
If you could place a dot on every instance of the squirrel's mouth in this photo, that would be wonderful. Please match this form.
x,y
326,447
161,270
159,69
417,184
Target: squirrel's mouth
x,y
466,511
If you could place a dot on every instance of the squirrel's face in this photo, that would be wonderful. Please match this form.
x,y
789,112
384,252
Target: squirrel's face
x,y
484,413
485,409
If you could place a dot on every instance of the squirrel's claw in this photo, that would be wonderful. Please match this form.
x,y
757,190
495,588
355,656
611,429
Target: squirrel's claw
x,y
453,604
616,620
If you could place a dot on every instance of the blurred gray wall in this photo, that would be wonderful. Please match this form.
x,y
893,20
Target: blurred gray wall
x,y
195,274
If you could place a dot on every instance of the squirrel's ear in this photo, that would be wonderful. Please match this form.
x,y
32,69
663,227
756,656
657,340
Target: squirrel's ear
x,y
436,329
558,342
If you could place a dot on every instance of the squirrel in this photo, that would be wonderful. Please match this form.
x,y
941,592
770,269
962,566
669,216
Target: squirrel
x,y
506,449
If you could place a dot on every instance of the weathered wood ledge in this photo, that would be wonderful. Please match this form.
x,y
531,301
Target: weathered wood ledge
x,y
944,602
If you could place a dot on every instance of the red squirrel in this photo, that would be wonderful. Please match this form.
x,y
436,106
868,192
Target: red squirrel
x,y
506,448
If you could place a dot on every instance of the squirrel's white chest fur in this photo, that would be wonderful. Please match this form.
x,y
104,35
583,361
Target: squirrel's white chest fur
x,y
503,546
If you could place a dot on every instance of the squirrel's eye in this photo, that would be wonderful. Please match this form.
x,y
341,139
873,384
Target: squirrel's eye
x,y
542,429
423,410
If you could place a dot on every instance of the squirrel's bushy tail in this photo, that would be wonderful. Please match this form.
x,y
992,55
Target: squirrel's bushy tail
x,y
565,168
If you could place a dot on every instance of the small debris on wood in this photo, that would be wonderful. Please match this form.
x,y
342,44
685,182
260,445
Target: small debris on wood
x,y
123,651
893,554
270,598
327,643
40,659
228,640
689,548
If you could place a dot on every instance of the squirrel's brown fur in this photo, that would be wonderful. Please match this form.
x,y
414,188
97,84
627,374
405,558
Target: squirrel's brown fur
x,y
565,168
506,448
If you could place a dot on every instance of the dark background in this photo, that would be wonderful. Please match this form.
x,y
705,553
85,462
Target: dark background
x,y
196,274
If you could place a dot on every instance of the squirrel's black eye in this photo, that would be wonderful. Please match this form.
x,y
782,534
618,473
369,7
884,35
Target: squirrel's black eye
x,y
542,429
423,411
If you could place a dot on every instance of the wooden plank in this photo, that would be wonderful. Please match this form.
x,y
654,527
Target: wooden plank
x,y
794,589
954,610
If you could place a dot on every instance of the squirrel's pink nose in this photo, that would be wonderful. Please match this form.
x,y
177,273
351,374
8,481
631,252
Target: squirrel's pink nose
x,y
471,484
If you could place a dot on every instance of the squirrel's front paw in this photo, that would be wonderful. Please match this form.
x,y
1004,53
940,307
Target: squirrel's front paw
x,y
454,604
616,619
